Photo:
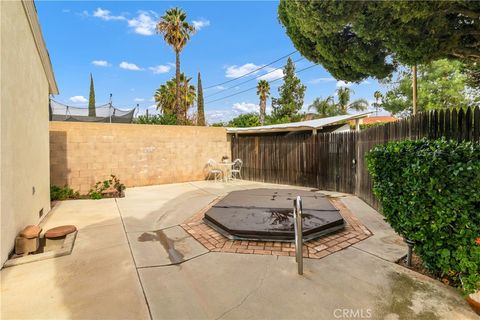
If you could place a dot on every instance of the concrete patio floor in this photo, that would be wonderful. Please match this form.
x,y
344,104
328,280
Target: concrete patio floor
x,y
121,268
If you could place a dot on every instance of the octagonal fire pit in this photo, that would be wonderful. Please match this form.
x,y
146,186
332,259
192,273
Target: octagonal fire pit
x,y
267,214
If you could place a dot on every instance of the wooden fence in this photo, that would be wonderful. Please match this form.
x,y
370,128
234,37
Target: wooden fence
x,y
336,161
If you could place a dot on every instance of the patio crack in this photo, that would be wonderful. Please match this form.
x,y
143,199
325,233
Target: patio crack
x,y
254,290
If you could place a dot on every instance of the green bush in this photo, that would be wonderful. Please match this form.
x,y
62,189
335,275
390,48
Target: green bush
x,y
430,193
245,120
62,193
97,191
161,119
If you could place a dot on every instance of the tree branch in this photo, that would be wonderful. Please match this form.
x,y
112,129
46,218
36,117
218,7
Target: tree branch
x,y
466,53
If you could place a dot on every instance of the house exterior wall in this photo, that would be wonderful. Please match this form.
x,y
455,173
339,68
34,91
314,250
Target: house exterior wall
x,y
24,154
84,153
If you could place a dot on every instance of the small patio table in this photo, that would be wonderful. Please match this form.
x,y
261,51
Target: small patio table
x,y
226,168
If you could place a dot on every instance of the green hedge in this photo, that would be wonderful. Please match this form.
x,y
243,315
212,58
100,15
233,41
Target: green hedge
x,y
430,193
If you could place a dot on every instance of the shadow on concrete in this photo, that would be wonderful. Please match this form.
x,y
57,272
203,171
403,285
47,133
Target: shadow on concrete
x,y
58,158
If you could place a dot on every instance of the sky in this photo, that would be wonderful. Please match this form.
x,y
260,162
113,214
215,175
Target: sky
x,y
116,42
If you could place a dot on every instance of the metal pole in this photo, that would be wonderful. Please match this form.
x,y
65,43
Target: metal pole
x,y
297,216
410,245
110,108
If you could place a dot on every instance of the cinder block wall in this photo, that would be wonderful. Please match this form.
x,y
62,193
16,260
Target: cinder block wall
x,y
84,153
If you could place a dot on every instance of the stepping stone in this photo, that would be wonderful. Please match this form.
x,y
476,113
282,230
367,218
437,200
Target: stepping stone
x,y
60,231
163,247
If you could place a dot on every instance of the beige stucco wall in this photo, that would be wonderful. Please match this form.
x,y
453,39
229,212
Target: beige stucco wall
x,y
24,150
84,153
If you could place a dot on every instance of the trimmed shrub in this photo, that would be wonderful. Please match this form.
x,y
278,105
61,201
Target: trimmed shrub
x,y
430,193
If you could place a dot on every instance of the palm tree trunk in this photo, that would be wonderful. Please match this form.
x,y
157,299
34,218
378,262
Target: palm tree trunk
x,y
178,112
185,103
262,111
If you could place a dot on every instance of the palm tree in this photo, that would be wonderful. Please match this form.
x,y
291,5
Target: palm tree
x,y
378,96
187,94
344,104
165,96
263,91
176,32
324,107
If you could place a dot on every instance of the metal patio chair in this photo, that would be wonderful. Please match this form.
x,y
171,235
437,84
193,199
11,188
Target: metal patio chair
x,y
237,169
213,170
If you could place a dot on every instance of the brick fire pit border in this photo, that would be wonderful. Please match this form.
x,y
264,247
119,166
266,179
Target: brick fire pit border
x,y
318,248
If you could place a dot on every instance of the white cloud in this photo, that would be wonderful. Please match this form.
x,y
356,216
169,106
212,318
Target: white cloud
x,y
325,79
272,75
238,71
160,69
342,83
218,115
364,82
144,23
78,99
138,99
200,24
101,63
220,87
245,107
129,66
106,15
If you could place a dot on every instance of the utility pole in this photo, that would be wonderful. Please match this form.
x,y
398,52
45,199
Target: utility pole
x,y
414,89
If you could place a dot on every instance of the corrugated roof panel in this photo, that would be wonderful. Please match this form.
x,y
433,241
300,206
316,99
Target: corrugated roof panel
x,y
301,125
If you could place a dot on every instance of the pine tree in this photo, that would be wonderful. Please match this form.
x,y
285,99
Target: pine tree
x,y
200,107
91,99
291,94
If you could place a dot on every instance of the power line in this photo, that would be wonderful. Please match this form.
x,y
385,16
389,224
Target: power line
x,y
243,82
253,71
237,93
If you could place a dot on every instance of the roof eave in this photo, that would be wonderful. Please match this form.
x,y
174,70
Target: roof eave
x,y
32,17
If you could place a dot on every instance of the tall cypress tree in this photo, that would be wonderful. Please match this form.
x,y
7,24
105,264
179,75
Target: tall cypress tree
x,y
91,99
200,107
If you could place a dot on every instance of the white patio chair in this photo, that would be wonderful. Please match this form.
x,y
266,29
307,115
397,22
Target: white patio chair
x,y
213,170
237,169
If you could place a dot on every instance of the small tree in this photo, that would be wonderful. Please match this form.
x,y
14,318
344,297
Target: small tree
x,y
91,99
200,107
245,120
291,94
